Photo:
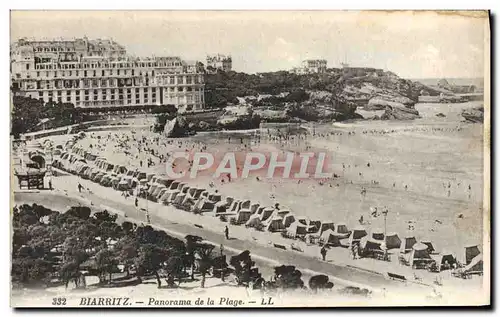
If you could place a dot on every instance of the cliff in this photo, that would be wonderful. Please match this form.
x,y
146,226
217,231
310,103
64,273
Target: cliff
x,y
328,96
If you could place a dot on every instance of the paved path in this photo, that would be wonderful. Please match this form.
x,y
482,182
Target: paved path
x,y
263,255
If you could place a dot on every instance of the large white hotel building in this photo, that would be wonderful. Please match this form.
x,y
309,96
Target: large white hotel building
x,y
100,73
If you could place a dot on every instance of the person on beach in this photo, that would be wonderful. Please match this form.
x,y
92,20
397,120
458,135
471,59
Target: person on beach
x,y
226,232
323,253
80,187
136,202
50,184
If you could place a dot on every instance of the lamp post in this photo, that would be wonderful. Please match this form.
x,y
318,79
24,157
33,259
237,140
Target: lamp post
x,y
385,211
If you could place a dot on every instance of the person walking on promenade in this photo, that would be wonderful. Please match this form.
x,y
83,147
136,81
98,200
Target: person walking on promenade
x,y
50,184
80,187
226,232
323,253
136,202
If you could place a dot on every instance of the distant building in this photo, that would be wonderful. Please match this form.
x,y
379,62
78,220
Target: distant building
x,y
311,66
100,73
219,62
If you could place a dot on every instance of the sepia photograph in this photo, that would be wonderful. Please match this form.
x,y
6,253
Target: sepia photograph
x,y
249,159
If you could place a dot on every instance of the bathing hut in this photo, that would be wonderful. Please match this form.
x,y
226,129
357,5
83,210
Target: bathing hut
x,y
356,235
392,241
288,220
325,226
378,234
407,244
419,256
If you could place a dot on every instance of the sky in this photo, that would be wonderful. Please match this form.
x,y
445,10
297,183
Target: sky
x,y
413,45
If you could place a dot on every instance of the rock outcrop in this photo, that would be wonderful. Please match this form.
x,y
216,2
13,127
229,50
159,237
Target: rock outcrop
x,y
399,112
176,128
475,115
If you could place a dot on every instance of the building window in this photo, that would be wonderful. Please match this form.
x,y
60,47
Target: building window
x,y
137,101
86,98
77,98
84,73
37,74
118,72
102,73
68,98
77,73
95,97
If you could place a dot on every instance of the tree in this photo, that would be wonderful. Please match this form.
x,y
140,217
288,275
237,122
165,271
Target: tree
x,y
205,260
81,212
191,248
173,268
126,252
105,263
243,268
150,260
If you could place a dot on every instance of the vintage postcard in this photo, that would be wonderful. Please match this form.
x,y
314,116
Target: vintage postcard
x,y
250,158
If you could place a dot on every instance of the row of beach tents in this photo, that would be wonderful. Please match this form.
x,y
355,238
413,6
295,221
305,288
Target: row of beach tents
x,y
277,218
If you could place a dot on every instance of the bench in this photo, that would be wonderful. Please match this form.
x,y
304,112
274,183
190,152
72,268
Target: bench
x,y
394,276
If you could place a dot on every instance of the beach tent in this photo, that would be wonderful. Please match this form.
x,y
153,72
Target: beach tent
x,y
283,212
165,181
153,180
371,245
342,228
260,210
152,188
444,257
303,220
407,244
274,224
266,213
246,204
220,207
123,185
356,235
475,265
314,226
253,221
160,193
149,176
215,197
179,198
329,237
254,208
229,201
192,191
288,220
157,190
419,255
325,226
204,205
174,185
115,181
378,234
471,252
185,189
243,216
392,241
297,229
172,195
429,245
